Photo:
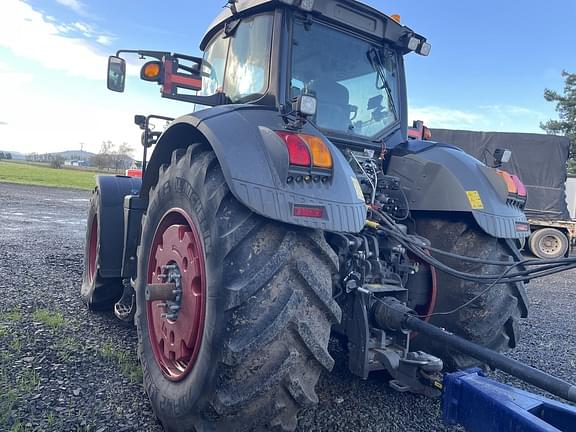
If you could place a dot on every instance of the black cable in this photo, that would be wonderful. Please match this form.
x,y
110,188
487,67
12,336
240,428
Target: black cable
x,y
521,276
546,268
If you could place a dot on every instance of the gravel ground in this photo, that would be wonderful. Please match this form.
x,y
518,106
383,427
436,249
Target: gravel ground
x,y
65,369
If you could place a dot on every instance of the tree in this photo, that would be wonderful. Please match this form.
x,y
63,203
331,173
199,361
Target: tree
x,y
112,156
566,109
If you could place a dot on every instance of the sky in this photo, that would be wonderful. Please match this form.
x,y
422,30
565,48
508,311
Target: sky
x,y
488,68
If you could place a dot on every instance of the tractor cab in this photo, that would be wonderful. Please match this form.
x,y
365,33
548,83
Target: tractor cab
x,y
337,63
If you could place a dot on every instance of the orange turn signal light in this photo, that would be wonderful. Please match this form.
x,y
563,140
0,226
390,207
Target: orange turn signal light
x,y
151,71
510,183
396,18
321,156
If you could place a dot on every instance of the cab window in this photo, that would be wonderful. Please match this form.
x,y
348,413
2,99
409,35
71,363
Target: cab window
x,y
214,65
247,71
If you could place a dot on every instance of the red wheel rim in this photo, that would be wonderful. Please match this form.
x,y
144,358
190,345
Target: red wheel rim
x,y
92,249
176,340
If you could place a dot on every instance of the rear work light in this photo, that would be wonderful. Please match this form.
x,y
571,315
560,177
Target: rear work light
x,y
307,150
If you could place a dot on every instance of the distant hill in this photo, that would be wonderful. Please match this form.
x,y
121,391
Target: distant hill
x,y
74,154
66,155
15,155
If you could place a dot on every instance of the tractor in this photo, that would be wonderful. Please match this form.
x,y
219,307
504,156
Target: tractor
x,y
290,207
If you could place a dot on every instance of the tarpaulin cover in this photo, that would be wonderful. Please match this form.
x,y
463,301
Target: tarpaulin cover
x,y
539,160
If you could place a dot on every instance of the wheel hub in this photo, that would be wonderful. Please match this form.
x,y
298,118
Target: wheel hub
x,y
177,277
550,244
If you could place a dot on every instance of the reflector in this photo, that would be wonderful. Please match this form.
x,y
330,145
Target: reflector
x,y
308,211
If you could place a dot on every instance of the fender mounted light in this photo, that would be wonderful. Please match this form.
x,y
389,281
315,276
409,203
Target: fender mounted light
x,y
321,156
307,150
298,152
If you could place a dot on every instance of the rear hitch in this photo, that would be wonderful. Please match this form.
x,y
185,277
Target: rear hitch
x,y
392,314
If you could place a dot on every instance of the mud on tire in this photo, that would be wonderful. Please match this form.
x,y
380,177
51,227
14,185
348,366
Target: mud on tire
x,y
491,321
269,308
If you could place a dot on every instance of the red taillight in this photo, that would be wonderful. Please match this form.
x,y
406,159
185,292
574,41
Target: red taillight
x,y
308,211
519,185
298,152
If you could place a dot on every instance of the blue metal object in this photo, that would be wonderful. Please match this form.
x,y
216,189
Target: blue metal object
x,y
483,405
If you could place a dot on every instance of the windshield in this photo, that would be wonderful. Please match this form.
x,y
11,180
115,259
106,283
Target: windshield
x,y
354,81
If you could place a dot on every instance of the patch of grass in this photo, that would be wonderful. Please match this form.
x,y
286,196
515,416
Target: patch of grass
x,y
16,344
27,381
22,173
3,331
127,361
67,349
50,318
17,427
50,419
12,316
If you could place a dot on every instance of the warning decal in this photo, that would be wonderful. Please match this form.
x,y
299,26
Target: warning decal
x,y
475,200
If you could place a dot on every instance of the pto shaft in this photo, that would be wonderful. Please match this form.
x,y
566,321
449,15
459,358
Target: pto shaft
x,y
391,314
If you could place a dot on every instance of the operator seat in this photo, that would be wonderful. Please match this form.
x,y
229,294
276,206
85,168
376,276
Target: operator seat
x,y
333,104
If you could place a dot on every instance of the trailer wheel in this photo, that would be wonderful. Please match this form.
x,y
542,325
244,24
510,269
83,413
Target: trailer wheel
x,y
548,243
491,321
97,292
244,344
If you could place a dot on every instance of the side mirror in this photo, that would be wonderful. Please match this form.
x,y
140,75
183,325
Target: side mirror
x,y
140,120
116,74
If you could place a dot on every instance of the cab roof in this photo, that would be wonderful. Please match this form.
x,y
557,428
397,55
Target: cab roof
x,y
352,14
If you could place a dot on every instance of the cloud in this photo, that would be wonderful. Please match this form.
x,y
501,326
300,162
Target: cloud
x,y
497,118
439,117
75,5
3,123
105,40
27,33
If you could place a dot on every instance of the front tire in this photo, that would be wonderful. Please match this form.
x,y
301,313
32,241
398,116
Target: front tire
x,y
491,321
263,322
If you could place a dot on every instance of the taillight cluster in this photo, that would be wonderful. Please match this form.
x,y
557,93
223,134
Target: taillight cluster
x,y
307,151
516,189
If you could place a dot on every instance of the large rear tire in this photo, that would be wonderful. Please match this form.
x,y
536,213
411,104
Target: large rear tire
x,y
262,314
97,292
491,321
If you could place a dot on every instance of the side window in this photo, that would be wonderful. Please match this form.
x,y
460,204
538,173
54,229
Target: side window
x,y
214,65
247,72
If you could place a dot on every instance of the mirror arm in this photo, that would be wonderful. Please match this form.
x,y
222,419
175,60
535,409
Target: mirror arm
x,y
143,53
213,100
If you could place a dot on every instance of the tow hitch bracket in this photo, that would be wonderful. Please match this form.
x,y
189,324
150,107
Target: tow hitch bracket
x,y
481,404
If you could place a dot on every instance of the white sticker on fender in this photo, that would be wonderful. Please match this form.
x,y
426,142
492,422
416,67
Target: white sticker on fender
x,y
358,188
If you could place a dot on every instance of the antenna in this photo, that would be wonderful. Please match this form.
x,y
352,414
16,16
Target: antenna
x,y
232,5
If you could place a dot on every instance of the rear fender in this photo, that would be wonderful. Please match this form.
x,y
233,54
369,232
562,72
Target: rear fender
x,y
112,190
442,178
254,161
